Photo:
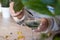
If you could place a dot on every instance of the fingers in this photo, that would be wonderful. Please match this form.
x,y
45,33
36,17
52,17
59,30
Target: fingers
x,y
43,25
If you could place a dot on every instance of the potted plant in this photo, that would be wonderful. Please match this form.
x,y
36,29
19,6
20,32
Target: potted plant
x,y
5,8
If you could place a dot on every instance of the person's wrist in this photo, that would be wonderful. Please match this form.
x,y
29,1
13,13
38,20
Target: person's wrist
x,y
20,15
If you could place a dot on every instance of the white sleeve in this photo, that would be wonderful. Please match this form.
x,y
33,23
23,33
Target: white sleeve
x,y
18,20
55,27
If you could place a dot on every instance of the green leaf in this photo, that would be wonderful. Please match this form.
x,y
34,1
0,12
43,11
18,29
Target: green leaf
x,y
43,36
57,7
18,5
0,1
5,3
49,2
39,5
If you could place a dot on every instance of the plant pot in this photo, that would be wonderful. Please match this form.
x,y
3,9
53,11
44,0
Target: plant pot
x,y
5,12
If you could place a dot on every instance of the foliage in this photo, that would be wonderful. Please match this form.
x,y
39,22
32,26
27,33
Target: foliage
x,y
18,5
57,7
39,6
56,37
0,0
43,36
5,3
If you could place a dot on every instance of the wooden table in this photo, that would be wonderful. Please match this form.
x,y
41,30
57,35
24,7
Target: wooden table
x,y
9,28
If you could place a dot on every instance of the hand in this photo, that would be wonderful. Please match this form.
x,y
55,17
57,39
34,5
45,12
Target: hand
x,y
43,25
17,14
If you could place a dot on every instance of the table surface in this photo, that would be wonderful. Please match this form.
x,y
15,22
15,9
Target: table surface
x,y
8,25
9,29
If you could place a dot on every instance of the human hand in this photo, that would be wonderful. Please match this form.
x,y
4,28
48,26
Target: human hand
x,y
15,14
43,25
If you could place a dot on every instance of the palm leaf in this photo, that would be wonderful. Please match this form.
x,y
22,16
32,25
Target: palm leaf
x,y
57,7
49,2
39,5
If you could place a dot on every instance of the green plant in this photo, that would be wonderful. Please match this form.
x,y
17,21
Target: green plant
x,y
5,3
56,37
41,7
43,36
18,5
0,1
